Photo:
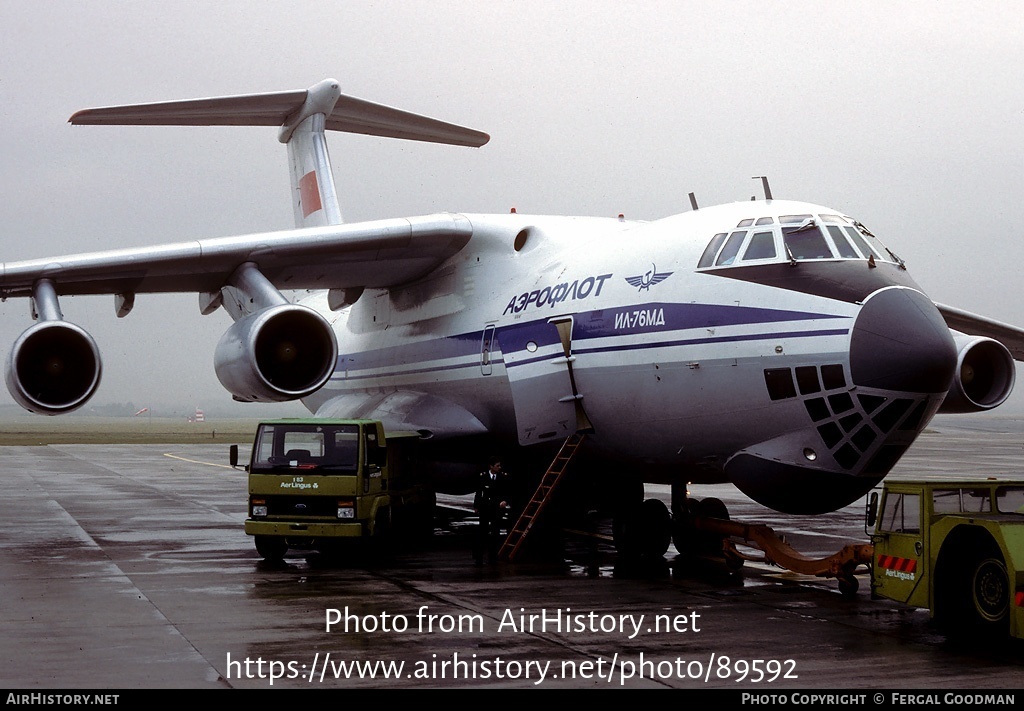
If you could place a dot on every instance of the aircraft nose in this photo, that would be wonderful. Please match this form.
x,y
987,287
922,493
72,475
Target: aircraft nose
x,y
900,342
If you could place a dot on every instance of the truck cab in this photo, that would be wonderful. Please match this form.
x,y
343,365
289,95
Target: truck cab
x,y
955,547
314,483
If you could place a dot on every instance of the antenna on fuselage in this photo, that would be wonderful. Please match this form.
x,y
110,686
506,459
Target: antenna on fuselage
x,y
764,184
693,201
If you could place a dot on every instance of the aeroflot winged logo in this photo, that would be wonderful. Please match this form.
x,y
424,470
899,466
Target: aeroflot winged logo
x,y
645,281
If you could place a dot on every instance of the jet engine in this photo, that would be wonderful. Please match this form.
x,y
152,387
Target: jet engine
x,y
279,353
53,368
985,373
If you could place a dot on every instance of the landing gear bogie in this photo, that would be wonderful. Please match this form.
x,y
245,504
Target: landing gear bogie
x,y
643,531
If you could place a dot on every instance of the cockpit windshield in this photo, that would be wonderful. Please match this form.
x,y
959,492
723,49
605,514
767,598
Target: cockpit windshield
x,y
803,238
793,238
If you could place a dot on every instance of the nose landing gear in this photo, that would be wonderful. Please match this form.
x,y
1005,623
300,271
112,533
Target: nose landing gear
x,y
643,531
702,529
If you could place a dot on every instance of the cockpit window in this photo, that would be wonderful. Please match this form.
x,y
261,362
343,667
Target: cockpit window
x,y
804,237
806,241
731,249
762,246
708,258
879,249
846,249
865,248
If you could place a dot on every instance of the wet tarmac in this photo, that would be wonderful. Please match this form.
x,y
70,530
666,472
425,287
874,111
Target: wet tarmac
x,y
126,567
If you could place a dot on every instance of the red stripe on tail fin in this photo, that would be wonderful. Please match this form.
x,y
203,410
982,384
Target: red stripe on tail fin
x,y
309,194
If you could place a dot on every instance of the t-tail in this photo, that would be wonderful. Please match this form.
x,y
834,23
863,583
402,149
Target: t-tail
x,y
303,116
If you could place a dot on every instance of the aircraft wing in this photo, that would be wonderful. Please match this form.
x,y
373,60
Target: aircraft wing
x,y
974,325
380,253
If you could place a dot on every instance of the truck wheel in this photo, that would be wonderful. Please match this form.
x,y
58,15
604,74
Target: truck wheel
x,y
990,593
382,525
272,548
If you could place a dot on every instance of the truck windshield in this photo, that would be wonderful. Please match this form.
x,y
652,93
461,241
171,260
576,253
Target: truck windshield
x,y
311,448
1010,499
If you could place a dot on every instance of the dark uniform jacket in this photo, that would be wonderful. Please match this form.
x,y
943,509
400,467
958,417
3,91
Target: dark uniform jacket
x,y
489,494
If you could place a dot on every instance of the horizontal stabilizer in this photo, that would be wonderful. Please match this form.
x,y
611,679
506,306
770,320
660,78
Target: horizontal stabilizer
x,y
349,114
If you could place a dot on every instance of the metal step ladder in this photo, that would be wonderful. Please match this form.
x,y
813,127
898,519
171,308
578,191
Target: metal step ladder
x,y
517,535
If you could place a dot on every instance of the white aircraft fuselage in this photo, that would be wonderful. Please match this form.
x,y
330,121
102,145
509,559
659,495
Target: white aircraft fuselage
x,y
759,370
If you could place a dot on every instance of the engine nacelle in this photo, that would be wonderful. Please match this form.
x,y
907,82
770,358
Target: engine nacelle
x,y
985,374
54,367
283,352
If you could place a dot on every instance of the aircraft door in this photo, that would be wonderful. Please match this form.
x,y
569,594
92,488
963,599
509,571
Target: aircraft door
x,y
538,359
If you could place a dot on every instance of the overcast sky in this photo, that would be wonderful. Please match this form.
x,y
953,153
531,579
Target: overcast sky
x,y
908,116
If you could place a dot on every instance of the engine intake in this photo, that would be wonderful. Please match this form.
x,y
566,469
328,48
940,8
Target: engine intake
x,y
283,352
985,374
53,368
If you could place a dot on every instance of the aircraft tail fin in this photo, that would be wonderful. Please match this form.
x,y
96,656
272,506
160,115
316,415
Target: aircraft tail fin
x,y
302,116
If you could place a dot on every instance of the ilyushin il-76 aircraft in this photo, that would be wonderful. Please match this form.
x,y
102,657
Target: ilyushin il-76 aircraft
x,y
773,344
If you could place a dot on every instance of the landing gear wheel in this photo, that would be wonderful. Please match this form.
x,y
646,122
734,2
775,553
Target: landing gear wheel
x,y
643,531
691,542
271,548
990,593
714,508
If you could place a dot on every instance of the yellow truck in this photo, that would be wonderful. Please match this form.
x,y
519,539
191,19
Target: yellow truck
x,y
316,483
955,547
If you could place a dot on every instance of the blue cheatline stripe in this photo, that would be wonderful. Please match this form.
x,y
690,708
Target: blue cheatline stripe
x,y
608,349
683,317
691,342
416,371
587,325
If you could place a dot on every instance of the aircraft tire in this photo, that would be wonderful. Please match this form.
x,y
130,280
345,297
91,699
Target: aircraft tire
x,y
271,548
714,508
643,531
692,543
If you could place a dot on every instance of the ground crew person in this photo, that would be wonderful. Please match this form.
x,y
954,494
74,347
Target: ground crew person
x,y
490,503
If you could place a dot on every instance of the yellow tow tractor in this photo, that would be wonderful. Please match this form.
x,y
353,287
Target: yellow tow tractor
x,y
955,547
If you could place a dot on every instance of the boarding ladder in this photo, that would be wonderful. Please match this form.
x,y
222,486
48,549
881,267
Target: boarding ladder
x,y
517,535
